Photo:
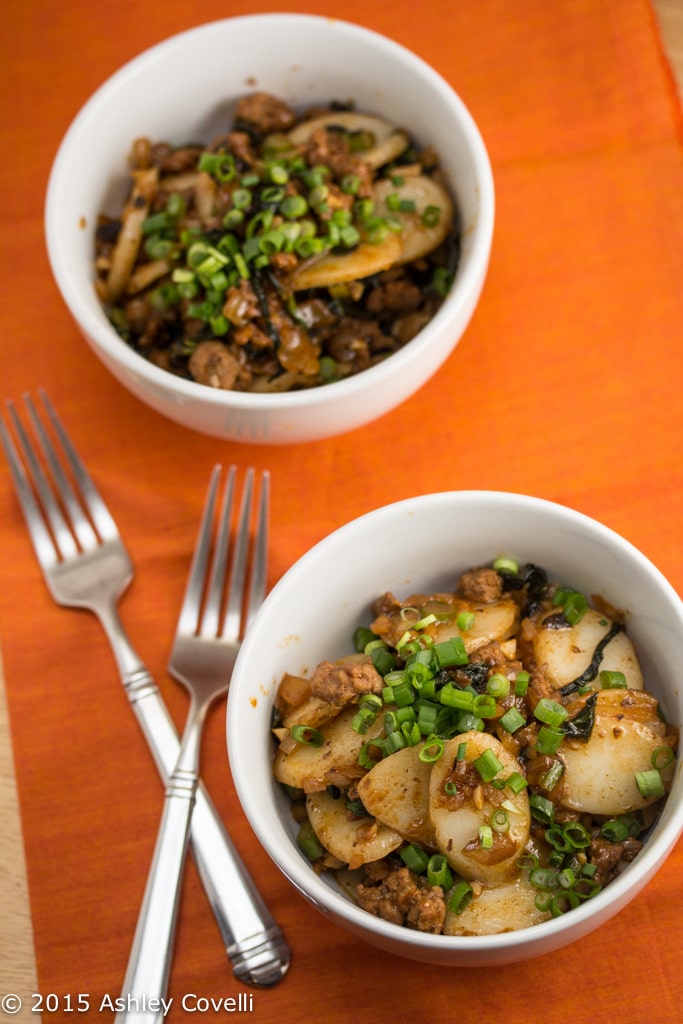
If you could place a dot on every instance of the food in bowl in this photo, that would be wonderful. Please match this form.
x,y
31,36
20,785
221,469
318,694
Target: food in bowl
x,y
291,251
486,760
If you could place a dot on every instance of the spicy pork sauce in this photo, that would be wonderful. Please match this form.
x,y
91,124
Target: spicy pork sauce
x,y
290,252
487,758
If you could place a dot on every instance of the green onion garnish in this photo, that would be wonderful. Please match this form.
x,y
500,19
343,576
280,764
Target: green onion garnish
x,y
488,765
460,897
612,680
650,783
438,871
307,734
414,858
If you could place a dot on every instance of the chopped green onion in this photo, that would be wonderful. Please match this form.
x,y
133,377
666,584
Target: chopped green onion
x,y
176,205
550,712
543,878
377,231
512,720
431,215
400,693
318,195
521,684
612,680
371,753
307,734
614,831
549,740
360,140
485,706
363,208
650,783
165,296
461,752
220,165
453,697
500,820
577,835
450,652
308,842
488,765
567,878
422,623
350,184
555,837
498,685
278,174
362,636
562,902
394,742
432,750
350,236
363,719
485,837
219,325
370,700
575,608
465,621
414,858
158,248
460,897
411,733
293,207
516,782
438,872
661,758
506,566
442,279
382,659
553,775
155,222
542,809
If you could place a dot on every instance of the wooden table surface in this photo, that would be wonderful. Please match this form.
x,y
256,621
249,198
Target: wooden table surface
x,y
17,964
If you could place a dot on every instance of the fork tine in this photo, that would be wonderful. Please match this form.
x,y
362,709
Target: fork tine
x,y
189,612
41,539
79,523
259,570
64,540
212,609
101,517
233,610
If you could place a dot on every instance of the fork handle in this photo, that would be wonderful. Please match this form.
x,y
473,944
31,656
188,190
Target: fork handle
x,y
146,982
254,942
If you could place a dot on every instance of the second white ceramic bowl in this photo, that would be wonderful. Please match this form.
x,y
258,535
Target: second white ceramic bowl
x,y
422,545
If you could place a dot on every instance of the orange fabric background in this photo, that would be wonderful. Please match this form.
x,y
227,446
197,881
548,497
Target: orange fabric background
x,y
566,385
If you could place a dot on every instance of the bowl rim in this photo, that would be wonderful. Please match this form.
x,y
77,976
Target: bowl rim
x,y
549,934
468,282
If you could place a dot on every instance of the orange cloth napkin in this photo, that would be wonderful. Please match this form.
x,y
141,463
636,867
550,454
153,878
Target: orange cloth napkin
x,y
566,385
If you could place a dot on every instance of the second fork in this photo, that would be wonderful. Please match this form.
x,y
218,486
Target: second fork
x,y
207,640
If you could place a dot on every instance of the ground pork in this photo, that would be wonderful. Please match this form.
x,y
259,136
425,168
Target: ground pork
x,y
481,585
405,899
341,684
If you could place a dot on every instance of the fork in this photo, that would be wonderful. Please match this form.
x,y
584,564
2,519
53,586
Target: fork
x,y
206,643
85,565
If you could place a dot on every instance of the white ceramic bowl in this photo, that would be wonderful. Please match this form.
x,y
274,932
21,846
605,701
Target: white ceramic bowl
x,y
304,60
422,544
